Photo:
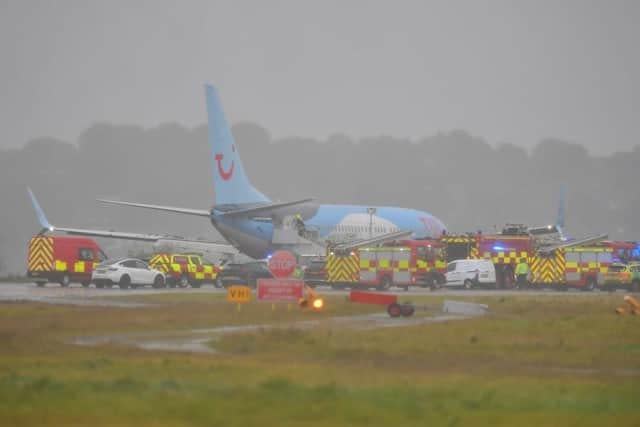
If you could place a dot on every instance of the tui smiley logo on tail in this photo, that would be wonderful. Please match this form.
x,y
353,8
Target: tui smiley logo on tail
x,y
225,175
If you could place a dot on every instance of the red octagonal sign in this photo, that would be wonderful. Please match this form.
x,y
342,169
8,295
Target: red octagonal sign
x,y
282,264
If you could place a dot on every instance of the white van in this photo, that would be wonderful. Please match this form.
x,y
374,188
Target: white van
x,y
470,273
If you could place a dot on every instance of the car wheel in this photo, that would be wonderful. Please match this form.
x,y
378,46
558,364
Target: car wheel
x,y
65,281
196,284
184,281
158,282
86,284
468,284
218,283
41,284
125,282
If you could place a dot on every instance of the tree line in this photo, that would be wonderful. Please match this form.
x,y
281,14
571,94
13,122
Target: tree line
x,y
462,179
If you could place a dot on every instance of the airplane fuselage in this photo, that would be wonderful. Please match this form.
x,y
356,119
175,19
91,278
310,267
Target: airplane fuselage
x,y
254,236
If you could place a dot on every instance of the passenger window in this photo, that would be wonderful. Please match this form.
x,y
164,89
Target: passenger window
x,y
142,265
85,254
451,267
195,260
180,259
129,264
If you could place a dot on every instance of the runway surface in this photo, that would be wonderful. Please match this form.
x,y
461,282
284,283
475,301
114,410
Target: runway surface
x,y
77,295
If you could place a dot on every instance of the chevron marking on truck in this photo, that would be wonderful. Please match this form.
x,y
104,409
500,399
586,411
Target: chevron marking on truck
x,y
342,268
41,254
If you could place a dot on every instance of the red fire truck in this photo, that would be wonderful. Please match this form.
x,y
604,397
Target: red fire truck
x,y
62,259
504,249
401,263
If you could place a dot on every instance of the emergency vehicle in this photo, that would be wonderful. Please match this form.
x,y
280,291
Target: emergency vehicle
x,y
401,263
504,250
184,269
625,276
566,266
62,259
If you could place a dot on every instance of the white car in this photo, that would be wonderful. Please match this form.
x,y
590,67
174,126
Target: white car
x,y
470,273
127,272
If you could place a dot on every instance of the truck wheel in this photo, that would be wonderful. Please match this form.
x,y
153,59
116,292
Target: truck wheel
x,y
158,282
65,281
184,281
591,284
394,310
635,286
385,284
125,282
468,284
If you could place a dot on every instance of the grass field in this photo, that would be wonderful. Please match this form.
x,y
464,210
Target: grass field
x,y
562,360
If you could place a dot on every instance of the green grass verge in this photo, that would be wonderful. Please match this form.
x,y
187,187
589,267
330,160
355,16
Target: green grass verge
x,y
534,361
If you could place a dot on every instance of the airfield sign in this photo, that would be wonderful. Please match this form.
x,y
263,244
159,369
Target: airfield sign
x,y
239,294
280,290
282,264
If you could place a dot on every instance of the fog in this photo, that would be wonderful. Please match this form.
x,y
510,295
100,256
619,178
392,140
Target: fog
x,y
466,181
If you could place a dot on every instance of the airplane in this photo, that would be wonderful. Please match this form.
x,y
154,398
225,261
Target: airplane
x,y
257,226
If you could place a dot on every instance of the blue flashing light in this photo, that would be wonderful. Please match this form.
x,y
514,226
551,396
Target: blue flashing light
x,y
498,248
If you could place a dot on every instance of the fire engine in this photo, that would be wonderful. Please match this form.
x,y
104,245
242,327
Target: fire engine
x,y
401,263
62,259
504,249
184,269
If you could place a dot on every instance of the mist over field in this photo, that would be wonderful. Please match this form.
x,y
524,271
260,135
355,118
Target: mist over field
x,y
466,181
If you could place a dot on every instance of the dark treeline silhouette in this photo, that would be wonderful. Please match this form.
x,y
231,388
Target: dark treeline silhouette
x,y
460,178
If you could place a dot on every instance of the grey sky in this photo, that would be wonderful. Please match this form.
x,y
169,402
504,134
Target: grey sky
x,y
504,70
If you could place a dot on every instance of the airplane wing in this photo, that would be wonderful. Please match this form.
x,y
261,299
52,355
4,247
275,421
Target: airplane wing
x,y
197,212
48,227
547,229
265,208
349,246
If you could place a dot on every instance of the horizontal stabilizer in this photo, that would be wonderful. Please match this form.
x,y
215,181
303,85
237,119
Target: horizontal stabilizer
x,y
348,246
263,209
186,211
578,242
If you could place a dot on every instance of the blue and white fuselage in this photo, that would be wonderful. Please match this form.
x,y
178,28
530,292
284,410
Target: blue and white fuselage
x,y
337,223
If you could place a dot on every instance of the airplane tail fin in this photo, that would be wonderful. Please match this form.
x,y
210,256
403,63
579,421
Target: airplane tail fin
x,y
561,212
231,184
42,219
